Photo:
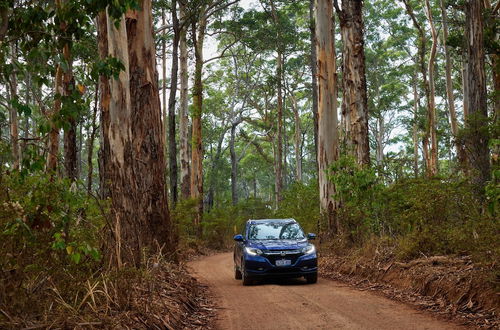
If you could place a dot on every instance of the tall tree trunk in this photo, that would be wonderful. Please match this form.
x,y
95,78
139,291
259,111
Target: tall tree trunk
x,y
172,145
354,101
422,41
314,78
53,143
297,139
495,62
213,172
120,170
164,84
279,148
197,146
431,104
477,137
380,141
90,145
449,92
183,109
104,153
70,149
234,164
416,106
151,208
14,121
327,108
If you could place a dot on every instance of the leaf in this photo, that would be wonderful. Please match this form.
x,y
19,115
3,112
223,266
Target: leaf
x,y
69,249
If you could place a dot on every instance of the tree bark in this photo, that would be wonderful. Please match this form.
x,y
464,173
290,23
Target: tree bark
x,y
477,135
70,149
416,106
431,104
314,78
354,101
279,137
90,145
327,108
172,145
151,204
449,92
53,143
380,140
234,164
422,41
126,245
297,139
213,171
104,153
183,109
197,146
14,121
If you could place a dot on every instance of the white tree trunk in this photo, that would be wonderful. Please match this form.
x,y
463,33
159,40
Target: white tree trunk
x,y
327,107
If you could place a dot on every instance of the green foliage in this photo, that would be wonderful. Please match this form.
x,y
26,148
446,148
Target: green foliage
x,y
301,202
422,216
358,190
48,230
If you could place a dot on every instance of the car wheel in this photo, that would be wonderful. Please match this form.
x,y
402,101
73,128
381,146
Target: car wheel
x,y
237,273
246,281
311,279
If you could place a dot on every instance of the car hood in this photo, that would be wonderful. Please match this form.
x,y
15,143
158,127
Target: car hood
x,y
278,244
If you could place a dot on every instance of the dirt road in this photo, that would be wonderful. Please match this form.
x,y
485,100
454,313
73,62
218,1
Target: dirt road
x,y
292,304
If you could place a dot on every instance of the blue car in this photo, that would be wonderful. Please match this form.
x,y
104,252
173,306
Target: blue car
x,y
274,248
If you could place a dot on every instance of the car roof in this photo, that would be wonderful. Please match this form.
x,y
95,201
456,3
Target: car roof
x,y
288,220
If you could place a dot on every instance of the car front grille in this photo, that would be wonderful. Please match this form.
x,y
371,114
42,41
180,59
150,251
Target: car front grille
x,y
273,255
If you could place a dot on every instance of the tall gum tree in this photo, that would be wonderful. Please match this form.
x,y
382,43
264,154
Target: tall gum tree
x,y
431,103
183,108
354,101
327,108
151,209
477,133
135,170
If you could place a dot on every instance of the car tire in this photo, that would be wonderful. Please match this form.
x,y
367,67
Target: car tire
x,y
311,279
237,273
246,280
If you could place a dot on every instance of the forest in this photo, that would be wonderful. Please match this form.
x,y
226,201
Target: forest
x,y
136,135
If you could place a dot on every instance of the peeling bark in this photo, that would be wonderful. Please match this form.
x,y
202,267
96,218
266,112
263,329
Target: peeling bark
x,y
104,103
196,177
14,121
297,139
183,110
151,205
327,108
431,104
354,101
477,136
172,145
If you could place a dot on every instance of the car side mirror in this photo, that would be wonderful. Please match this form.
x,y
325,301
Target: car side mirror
x,y
238,238
311,236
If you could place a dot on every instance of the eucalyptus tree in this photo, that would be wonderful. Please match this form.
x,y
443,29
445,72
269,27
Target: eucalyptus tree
x,y
135,169
354,93
328,137
477,137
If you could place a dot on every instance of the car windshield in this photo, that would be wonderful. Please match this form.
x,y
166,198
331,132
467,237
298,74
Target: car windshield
x,y
275,230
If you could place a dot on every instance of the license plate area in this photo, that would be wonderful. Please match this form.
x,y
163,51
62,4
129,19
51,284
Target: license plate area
x,y
283,262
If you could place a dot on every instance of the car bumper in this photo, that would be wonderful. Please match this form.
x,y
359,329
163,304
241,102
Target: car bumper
x,y
260,267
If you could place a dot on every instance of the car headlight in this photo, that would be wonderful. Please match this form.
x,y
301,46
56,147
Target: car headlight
x,y
253,251
309,249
